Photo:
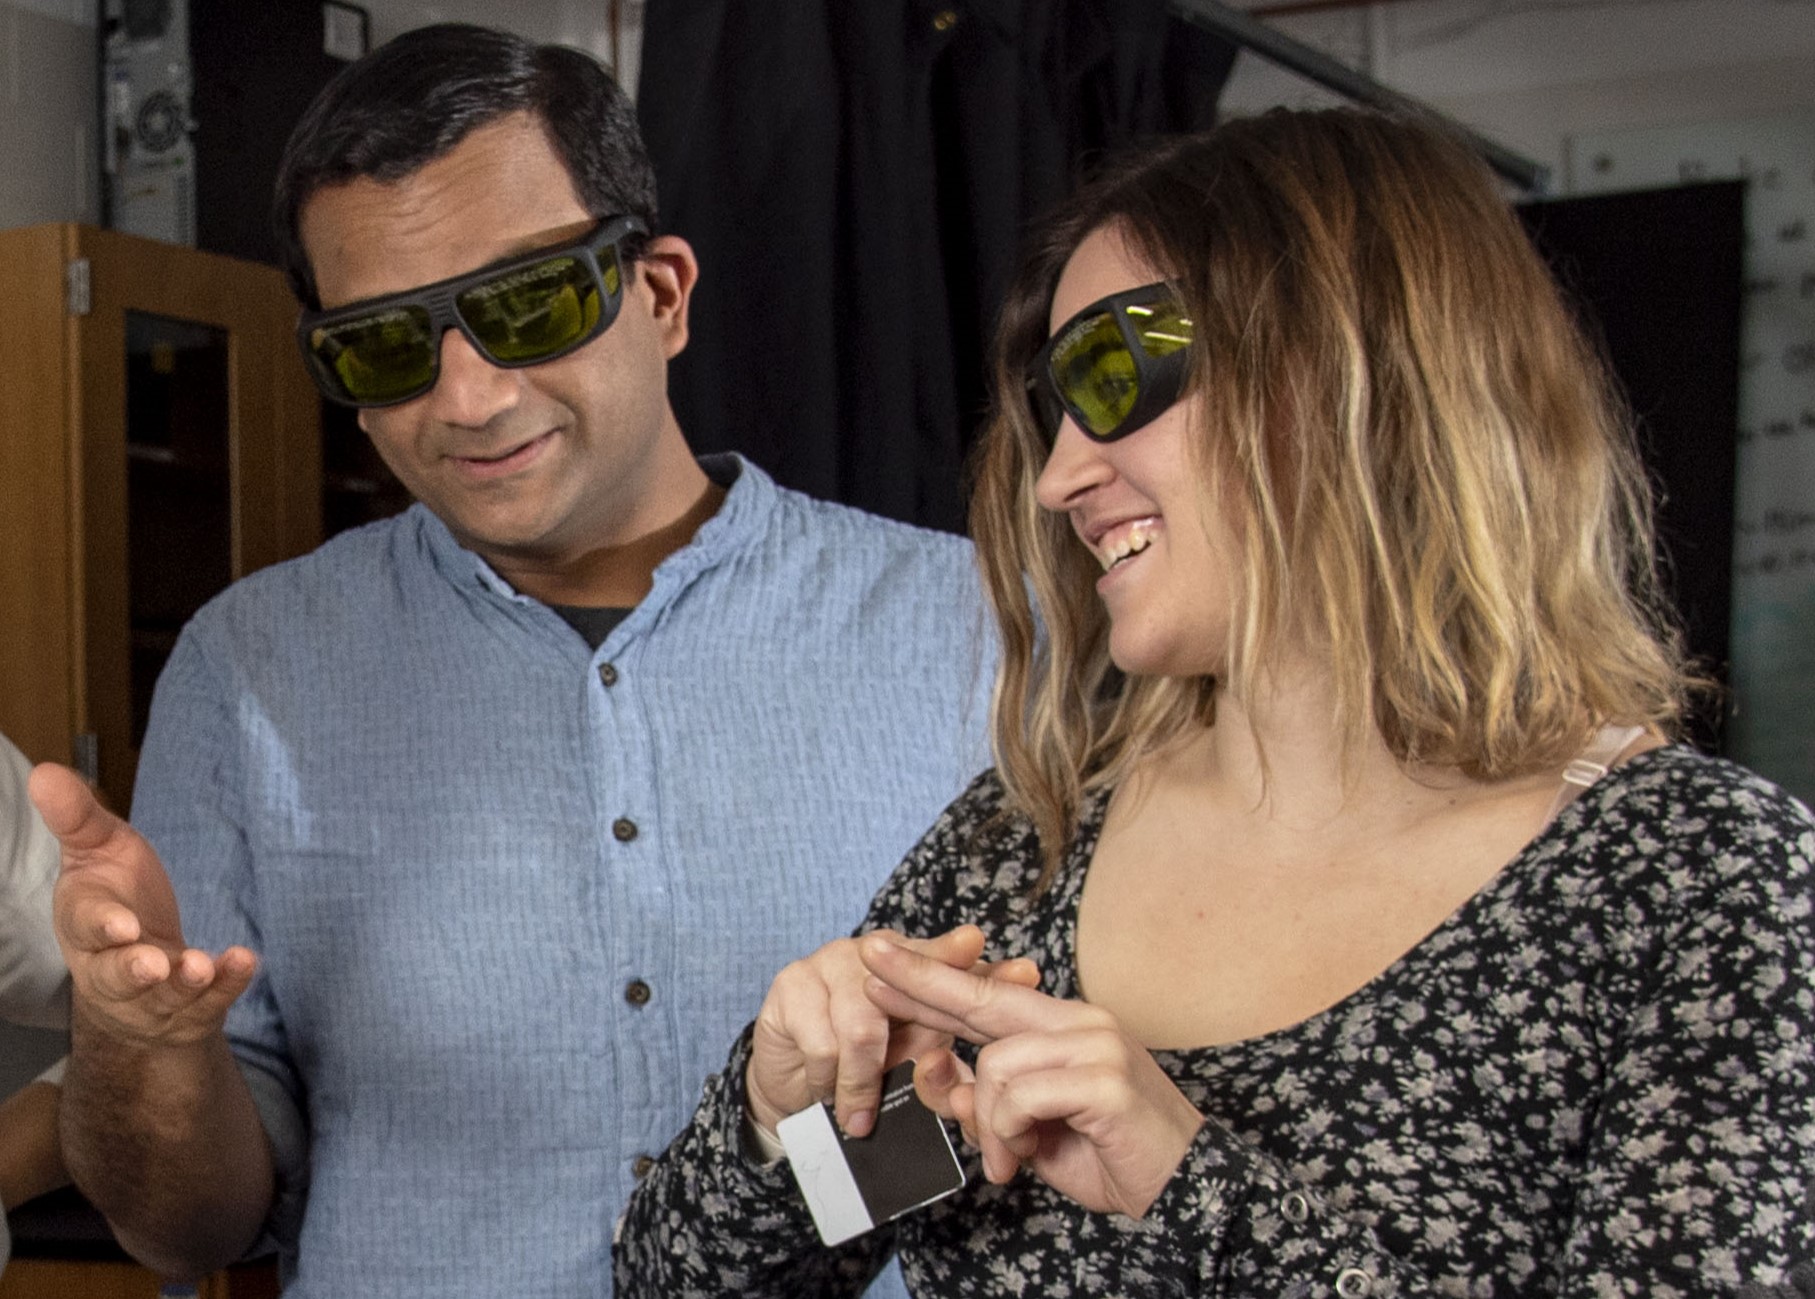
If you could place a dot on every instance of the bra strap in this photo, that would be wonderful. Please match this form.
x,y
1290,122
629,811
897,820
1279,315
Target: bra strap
x,y
1591,764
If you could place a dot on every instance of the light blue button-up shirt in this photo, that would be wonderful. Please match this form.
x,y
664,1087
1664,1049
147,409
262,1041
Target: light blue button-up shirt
x,y
515,897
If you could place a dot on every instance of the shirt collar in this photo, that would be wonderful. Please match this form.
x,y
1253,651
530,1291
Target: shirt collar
x,y
748,503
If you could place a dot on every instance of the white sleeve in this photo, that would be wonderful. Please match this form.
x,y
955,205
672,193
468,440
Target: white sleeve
x,y
34,985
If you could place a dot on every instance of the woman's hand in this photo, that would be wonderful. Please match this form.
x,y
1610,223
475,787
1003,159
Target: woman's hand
x,y
1058,1087
819,1036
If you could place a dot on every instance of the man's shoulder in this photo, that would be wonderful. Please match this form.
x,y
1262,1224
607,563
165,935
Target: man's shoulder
x,y
862,534
340,579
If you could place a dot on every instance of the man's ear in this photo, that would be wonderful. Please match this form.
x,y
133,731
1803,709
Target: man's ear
x,y
669,271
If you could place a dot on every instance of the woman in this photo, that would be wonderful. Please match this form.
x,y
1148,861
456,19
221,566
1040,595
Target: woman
x,y
1323,566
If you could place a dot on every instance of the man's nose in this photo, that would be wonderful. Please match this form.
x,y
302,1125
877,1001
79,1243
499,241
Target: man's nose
x,y
469,390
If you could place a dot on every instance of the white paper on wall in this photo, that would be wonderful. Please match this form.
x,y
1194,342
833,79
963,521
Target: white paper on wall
x,y
1772,727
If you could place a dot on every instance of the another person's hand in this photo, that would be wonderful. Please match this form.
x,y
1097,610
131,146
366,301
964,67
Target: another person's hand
x,y
818,1036
116,919
1059,1087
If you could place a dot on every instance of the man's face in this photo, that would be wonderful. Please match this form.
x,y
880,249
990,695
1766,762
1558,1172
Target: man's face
x,y
537,467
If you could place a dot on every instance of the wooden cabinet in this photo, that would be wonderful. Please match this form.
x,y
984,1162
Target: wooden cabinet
x,y
35,1278
158,438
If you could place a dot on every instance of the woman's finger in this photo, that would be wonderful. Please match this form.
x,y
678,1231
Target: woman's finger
x,y
862,1034
947,1087
819,1037
978,1007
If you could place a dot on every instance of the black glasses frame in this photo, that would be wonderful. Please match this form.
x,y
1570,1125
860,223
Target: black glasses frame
x,y
1161,378
618,233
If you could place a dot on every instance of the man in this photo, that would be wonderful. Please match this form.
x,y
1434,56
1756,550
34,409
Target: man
x,y
490,823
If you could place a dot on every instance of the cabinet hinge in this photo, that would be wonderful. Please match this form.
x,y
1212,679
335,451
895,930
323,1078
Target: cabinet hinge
x,y
86,755
78,287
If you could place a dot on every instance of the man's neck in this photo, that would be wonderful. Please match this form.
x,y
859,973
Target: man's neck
x,y
617,576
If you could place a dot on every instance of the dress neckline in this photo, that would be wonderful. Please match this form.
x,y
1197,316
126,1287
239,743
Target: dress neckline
x,y
1066,896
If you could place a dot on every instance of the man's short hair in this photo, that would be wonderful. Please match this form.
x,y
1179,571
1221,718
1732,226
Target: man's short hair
x,y
415,98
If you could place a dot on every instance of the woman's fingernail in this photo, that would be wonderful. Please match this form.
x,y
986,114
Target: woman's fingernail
x,y
859,1124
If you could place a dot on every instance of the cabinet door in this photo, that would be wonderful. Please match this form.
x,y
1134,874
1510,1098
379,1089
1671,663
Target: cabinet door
x,y
200,449
189,453
38,679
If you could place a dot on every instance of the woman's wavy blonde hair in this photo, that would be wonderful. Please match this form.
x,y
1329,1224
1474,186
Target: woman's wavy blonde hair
x,y
1430,470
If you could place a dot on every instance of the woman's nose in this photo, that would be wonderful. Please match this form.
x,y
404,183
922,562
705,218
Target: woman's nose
x,y
1074,466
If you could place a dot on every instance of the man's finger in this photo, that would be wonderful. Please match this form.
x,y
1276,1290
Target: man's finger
x,y
231,975
121,974
95,920
70,809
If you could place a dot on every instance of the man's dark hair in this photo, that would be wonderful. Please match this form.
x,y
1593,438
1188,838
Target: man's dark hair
x,y
415,98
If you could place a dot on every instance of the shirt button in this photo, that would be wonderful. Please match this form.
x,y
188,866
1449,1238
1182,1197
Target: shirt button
x,y
636,992
1353,1283
640,1166
623,829
1295,1207
945,20
608,674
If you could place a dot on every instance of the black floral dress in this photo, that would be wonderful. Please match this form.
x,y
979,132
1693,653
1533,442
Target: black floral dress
x,y
1595,1079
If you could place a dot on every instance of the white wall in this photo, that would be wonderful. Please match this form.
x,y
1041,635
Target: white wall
x,y
1532,73
48,159
47,113
569,22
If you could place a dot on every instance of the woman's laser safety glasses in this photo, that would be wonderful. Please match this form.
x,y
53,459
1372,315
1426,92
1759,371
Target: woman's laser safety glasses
x,y
523,311
1115,366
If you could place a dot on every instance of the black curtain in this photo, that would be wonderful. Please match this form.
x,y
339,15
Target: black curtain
x,y
856,176
1658,276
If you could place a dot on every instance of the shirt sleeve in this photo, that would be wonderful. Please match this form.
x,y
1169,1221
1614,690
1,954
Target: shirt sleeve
x,y
708,1222
188,802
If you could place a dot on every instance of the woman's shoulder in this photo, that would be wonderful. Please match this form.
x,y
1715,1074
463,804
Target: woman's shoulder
x,y
1677,792
980,860
1673,822
977,833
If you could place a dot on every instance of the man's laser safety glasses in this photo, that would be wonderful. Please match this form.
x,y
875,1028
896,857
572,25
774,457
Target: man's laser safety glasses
x,y
518,312
1115,366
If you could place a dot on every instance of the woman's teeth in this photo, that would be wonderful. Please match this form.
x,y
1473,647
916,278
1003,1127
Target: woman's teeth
x,y
1132,542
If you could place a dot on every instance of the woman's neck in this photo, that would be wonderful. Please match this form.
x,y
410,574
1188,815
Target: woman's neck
x,y
1281,750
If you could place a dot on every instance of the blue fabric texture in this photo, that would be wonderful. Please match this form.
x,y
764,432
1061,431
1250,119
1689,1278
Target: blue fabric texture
x,y
512,896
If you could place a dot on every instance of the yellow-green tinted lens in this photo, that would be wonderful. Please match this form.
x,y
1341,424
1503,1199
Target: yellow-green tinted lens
x,y
1160,326
1095,373
380,358
531,314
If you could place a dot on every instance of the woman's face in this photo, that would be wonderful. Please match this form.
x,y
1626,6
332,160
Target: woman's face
x,y
1140,506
